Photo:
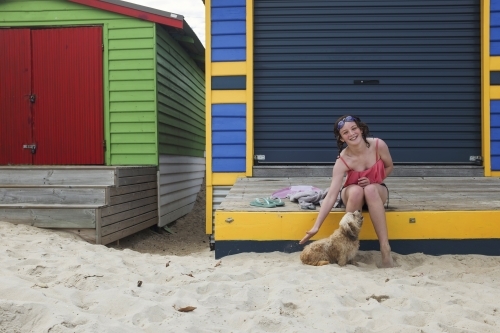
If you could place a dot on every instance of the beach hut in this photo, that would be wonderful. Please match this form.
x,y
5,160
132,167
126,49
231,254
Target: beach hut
x,y
423,74
102,116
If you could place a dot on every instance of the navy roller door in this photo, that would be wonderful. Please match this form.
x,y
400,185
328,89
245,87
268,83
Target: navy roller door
x,y
421,60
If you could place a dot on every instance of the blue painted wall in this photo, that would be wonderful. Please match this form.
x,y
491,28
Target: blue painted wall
x,y
228,137
495,104
228,30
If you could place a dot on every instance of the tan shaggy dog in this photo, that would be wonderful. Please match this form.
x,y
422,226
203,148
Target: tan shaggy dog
x,y
341,247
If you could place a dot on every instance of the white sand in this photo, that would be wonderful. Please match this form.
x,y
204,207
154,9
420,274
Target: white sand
x,y
54,282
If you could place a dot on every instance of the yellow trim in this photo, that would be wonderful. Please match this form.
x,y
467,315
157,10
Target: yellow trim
x,y
264,226
249,98
220,179
209,195
495,174
229,68
495,63
228,96
208,102
485,86
494,92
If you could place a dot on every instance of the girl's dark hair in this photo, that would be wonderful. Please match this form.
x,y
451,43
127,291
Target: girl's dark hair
x,y
362,126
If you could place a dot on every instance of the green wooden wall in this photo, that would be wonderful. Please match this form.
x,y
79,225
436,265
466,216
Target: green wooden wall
x,y
181,99
129,72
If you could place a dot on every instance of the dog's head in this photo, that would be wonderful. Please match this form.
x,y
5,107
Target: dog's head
x,y
351,224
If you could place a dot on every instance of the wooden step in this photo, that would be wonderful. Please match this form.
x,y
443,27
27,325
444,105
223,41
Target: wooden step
x,y
50,216
57,175
71,195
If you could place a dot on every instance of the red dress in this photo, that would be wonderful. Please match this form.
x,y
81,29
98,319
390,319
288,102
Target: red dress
x,y
376,173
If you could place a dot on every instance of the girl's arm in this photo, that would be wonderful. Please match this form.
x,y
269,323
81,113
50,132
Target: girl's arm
x,y
326,206
385,155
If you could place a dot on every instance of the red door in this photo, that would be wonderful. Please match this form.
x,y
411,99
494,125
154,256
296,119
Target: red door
x,y
67,82
15,90
52,83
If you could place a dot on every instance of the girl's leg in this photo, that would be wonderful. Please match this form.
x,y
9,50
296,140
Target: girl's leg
x,y
375,195
353,198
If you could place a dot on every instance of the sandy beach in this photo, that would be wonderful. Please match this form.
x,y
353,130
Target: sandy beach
x,y
159,282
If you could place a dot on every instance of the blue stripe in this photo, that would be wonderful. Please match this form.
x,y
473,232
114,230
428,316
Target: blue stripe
x,y
494,48
490,247
228,28
495,34
228,41
229,110
229,165
228,14
495,163
239,82
495,134
495,148
228,123
228,137
494,5
495,120
495,106
229,55
228,3
230,151
495,19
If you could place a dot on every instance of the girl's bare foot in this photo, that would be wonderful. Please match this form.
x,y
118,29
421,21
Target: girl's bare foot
x,y
387,261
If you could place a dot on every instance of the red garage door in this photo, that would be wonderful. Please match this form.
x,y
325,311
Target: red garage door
x,y
62,102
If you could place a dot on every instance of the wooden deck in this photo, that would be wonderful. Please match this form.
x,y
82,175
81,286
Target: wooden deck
x,y
433,215
101,204
405,193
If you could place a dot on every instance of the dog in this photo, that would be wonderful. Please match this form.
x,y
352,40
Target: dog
x,y
341,247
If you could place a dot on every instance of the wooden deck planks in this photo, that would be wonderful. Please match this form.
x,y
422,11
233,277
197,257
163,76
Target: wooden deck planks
x,y
406,193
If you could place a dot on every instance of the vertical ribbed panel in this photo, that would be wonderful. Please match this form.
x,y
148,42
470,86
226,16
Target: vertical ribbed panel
x,y
421,60
15,87
67,82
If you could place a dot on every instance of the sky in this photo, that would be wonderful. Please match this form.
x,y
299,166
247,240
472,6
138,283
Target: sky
x,y
192,10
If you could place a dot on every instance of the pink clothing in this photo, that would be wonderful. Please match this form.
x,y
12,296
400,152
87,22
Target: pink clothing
x,y
376,173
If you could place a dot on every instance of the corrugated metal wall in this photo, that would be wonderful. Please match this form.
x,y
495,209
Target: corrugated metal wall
x,y
67,82
129,67
179,181
15,88
181,99
422,59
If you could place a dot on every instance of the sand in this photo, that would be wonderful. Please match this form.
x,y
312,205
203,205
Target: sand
x,y
55,282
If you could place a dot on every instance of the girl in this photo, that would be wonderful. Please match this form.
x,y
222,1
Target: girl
x,y
367,162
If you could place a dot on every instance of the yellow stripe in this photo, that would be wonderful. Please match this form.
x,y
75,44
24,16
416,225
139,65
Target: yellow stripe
x,y
494,63
495,174
227,97
485,85
208,100
249,119
494,94
209,195
228,68
225,178
263,226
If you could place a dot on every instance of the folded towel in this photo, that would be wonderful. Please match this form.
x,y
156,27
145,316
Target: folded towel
x,y
310,199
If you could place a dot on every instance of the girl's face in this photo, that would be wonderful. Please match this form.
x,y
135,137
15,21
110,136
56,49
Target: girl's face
x,y
350,133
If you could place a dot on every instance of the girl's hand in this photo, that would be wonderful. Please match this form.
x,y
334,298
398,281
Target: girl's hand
x,y
308,235
363,181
